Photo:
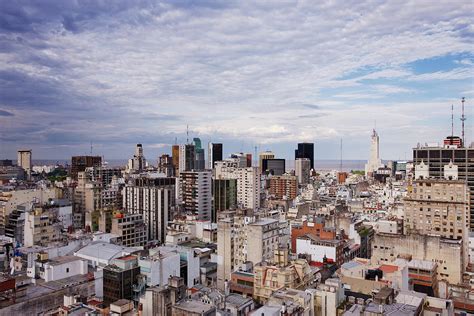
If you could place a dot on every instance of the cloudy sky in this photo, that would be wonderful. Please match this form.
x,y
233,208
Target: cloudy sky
x,y
267,74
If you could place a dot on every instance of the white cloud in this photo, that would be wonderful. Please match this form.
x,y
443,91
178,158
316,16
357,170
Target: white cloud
x,y
240,70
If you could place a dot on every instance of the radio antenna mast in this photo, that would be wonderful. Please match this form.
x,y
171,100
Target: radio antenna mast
x,y
463,118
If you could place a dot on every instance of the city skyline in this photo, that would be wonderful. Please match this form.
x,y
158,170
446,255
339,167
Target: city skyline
x,y
268,75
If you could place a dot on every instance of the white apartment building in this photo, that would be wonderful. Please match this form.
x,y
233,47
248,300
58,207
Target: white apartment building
x,y
155,203
248,188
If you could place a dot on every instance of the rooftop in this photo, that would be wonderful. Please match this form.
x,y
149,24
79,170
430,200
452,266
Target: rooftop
x,y
193,306
422,264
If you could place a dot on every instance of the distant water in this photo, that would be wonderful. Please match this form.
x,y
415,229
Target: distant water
x,y
347,165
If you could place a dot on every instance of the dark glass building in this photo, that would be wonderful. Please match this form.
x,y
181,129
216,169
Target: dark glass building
x,y
119,278
273,166
214,154
224,193
305,150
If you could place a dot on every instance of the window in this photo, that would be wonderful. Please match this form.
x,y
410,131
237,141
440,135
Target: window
x,y
67,270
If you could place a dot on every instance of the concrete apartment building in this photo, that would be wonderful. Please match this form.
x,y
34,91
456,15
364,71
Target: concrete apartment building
x,y
154,199
240,240
196,188
447,253
262,240
440,207
303,170
24,161
284,187
41,228
131,228
436,157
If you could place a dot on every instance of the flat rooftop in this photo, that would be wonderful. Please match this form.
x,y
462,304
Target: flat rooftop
x,y
193,306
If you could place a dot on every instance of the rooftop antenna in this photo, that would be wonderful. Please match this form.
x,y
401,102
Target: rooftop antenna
x,y
463,118
91,148
176,140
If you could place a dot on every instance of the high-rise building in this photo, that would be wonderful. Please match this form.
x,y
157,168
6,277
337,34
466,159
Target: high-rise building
x,y
199,160
284,187
24,161
248,188
374,161
439,207
165,165
186,157
154,198
80,163
262,156
273,166
214,154
175,159
434,158
303,170
196,193
138,162
224,193
305,150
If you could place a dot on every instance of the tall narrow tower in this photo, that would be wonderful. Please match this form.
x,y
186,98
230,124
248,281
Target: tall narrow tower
x,y
374,161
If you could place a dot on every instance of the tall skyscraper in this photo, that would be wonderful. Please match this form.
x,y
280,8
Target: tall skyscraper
x,y
196,193
186,157
24,161
303,170
214,154
199,160
154,198
374,161
262,156
80,163
305,150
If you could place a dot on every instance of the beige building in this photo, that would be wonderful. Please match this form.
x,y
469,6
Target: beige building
x,y
11,199
447,253
24,161
240,239
41,228
269,278
131,228
230,243
440,207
